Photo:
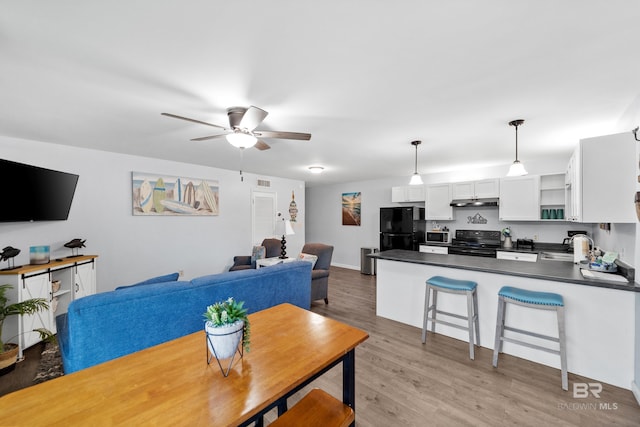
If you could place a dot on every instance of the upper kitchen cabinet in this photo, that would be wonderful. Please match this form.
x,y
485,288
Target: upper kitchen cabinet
x,y
483,189
553,196
603,186
573,199
520,198
438,205
408,193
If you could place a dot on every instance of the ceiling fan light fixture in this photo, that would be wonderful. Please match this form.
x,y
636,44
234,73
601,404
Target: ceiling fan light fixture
x,y
241,140
316,169
416,179
517,168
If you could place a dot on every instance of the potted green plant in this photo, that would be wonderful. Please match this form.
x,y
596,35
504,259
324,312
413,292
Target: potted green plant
x,y
9,351
226,324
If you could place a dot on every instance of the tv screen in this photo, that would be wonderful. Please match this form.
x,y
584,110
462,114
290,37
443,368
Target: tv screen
x,y
32,193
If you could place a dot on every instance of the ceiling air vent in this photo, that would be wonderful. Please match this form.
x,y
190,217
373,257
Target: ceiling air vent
x,y
264,183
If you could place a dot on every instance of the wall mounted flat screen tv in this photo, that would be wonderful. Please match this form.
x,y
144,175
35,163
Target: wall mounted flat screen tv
x,y
31,193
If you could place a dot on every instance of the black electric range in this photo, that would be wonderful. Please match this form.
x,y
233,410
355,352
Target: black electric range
x,y
476,243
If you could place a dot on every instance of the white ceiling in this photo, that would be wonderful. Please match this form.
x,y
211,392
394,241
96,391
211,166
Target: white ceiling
x,y
363,77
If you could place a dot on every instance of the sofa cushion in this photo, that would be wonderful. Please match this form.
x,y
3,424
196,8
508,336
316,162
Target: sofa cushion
x,y
159,279
258,252
309,258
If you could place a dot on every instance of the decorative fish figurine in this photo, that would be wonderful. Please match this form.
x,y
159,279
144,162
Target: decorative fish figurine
x,y
8,252
75,243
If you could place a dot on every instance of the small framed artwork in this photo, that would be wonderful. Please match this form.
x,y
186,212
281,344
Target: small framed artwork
x,y
172,195
351,203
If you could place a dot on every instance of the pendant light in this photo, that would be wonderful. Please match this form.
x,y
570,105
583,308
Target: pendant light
x,y
416,179
517,168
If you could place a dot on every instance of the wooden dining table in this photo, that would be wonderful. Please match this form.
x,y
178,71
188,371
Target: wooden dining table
x,y
172,383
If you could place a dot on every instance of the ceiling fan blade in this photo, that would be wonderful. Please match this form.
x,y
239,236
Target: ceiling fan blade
x,y
261,145
193,120
252,118
205,138
283,135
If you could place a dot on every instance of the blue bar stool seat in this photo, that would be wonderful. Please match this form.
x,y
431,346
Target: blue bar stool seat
x,y
437,284
538,300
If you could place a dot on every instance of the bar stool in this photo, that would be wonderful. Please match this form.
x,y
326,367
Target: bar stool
x,y
541,301
452,286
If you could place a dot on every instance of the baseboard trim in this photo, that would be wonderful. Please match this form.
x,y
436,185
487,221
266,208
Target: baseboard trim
x,y
350,267
636,391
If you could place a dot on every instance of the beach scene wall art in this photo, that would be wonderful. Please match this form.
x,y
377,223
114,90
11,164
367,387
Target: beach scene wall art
x,y
351,203
156,194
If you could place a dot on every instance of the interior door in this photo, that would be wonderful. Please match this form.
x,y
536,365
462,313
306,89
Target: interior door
x,y
263,216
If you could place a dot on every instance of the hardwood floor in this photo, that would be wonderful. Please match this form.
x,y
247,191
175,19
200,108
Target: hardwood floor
x,y
25,371
401,382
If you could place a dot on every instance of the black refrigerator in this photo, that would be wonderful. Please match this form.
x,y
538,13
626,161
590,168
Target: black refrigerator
x,y
402,228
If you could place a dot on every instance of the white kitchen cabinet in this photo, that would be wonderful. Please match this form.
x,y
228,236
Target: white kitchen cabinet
x,y
552,194
520,198
573,199
438,205
76,276
430,249
483,189
608,176
517,256
408,193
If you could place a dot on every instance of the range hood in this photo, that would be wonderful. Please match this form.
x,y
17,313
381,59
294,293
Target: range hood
x,y
462,203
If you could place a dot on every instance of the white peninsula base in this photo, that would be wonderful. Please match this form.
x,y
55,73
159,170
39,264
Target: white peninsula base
x,y
600,322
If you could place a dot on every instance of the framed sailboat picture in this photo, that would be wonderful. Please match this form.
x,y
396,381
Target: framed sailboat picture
x,y
156,194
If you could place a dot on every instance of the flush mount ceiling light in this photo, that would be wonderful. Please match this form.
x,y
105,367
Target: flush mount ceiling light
x,y
241,140
416,179
316,169
517,168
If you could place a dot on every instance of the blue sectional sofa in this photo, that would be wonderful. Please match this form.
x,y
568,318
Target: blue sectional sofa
x,y
104,326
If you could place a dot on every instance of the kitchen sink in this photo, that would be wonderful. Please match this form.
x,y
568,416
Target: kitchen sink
x,y
556,256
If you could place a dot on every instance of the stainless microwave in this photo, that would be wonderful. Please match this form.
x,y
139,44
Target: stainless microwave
x,y
437,237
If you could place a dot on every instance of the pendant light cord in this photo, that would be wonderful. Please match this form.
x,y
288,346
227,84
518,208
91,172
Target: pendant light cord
x,y
516,142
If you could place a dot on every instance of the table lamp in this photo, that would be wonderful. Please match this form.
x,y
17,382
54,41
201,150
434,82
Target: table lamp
x,y
288,231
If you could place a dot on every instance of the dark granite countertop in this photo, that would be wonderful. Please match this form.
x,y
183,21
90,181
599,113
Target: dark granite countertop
x,y
559,271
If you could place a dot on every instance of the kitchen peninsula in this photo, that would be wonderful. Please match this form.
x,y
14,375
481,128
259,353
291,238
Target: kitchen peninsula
x,y
600,315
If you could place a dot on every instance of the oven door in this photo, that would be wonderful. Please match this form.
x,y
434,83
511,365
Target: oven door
x,y
485,252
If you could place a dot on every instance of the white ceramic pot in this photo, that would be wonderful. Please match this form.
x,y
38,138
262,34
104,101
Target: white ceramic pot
x,y
223,341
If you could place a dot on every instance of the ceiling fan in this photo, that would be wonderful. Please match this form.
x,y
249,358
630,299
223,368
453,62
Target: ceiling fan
x,y
242,132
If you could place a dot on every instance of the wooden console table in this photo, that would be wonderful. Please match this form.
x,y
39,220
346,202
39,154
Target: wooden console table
x,y
171,383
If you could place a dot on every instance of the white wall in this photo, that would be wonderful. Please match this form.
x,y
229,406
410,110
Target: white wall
x,y
325,221
133,248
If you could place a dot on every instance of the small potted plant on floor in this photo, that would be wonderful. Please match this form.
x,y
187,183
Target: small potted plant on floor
x,y
226,324
9,351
